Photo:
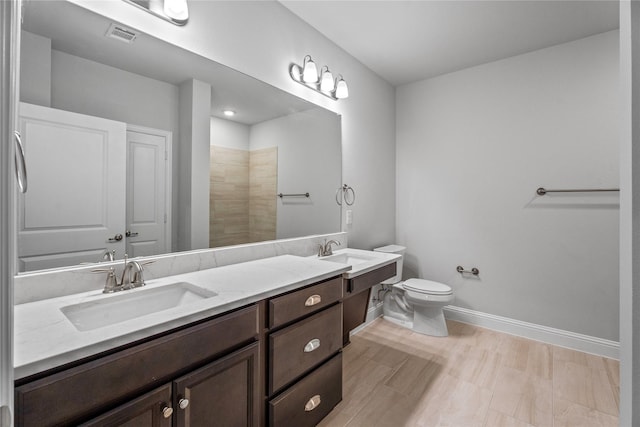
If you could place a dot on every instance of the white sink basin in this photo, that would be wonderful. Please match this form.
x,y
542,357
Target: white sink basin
x,y
348,258
128,305
361,261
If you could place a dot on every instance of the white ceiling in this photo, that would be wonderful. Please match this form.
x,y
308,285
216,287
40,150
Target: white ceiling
x,y
407,41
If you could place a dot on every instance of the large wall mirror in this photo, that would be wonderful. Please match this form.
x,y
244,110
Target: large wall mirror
x,y
130,149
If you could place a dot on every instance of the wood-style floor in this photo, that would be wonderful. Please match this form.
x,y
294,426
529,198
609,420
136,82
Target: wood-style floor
x,y
475,377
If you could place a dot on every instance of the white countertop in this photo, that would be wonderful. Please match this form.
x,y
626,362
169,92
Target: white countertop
x,y
44,338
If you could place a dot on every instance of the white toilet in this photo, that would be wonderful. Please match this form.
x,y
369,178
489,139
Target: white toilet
x,y
415,303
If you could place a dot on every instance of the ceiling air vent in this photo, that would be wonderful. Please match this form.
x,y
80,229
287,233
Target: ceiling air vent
x,y
121,33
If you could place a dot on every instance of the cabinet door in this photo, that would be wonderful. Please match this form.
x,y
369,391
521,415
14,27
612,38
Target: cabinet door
x,y
222,393
150,410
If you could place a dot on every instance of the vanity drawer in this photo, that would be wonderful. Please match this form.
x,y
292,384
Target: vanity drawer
x,y
311,399
367,280
73,395
298,348
304,301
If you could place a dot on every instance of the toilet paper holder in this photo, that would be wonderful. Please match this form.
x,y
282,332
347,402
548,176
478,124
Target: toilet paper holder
x,y
473,271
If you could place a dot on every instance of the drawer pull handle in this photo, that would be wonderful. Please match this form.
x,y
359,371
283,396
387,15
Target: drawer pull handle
x,y
183,403
312,403
312,345
167,411
313,300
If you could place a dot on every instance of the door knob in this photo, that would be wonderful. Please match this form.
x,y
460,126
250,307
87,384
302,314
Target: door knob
x,y
116,238
129,233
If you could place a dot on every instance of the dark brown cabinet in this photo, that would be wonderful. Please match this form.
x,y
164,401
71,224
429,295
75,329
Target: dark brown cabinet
x,y
310,399
304,366
113,382
357,293
225,393
152,409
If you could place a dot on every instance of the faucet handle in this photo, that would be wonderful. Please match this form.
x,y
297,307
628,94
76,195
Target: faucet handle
x,y
111,284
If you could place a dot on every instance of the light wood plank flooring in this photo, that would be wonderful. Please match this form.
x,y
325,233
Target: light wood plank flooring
x,y
475,377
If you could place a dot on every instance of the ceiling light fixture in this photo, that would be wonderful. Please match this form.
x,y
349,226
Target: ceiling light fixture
x,y
174,11
307,75
229,113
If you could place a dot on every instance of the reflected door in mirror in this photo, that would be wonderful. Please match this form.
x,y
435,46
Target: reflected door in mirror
x,y
148,191
74,208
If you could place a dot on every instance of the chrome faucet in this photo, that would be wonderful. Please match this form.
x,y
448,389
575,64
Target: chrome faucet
x,y
131,277
326,249
109,255
129,282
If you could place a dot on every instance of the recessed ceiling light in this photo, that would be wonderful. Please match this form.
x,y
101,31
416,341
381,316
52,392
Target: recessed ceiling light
x,y
229,113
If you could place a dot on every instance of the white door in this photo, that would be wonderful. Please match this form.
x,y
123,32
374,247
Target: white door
x,y
148,191
74,209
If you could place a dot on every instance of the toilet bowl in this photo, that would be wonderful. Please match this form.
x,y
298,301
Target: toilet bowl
x,y
416,303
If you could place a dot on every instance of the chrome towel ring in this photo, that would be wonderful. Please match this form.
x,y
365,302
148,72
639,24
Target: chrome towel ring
x,y
348,194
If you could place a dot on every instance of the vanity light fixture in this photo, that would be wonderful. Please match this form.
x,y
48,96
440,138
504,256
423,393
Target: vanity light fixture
x,y
177,10
326,80
174,11
309,70
342,90
307,75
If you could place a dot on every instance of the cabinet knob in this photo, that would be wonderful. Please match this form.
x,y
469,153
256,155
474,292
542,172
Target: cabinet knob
x,y
312,403
313,300
167,412
183,403
312,345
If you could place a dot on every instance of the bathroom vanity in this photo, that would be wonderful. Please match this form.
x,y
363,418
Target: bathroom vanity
x,y
367,269
260,346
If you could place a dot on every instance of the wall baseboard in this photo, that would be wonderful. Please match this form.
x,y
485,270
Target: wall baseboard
x,y
559,337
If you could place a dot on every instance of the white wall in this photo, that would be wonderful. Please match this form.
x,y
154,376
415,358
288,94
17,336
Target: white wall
x,y
88,87
262,39
307,153
194,153
473,146
35,69
228,134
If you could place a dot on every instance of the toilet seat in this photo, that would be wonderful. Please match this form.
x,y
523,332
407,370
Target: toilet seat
x,y
427,287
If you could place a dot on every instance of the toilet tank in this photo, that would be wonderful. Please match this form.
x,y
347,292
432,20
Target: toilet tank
x,y
394,249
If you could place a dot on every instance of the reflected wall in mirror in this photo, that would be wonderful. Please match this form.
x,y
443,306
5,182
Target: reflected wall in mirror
x,y
128,148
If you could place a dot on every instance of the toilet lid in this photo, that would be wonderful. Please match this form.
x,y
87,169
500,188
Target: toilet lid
x,y
427,287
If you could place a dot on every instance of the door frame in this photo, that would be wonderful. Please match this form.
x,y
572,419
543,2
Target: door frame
x,y
9,87
168,173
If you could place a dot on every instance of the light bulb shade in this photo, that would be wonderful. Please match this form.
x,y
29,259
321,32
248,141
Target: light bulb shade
x,y
327,84
177,10
342,91
309,70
